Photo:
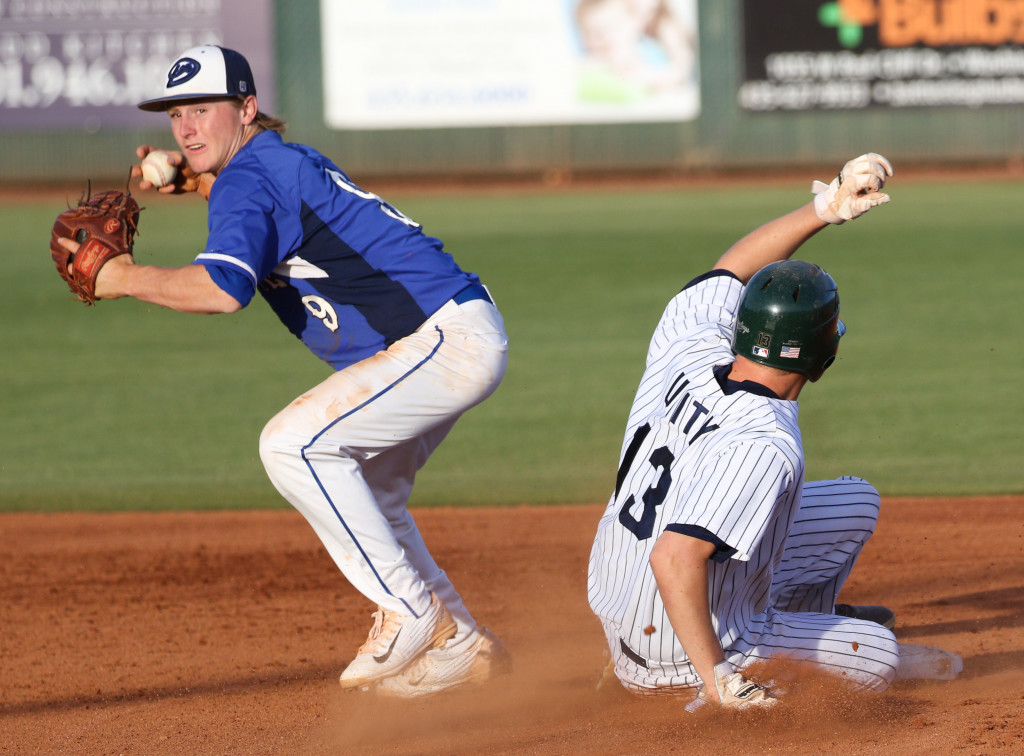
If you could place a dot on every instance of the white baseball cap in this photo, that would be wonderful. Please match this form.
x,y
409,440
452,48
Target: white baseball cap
x,y
202,73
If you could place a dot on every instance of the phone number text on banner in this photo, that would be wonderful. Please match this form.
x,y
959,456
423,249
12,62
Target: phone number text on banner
x,y
862,53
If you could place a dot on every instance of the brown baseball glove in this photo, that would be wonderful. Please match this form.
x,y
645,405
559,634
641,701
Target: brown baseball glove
x,y
104,227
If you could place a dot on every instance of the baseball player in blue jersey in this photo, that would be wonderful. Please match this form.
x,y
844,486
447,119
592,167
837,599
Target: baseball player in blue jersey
x,y
714,552
414,341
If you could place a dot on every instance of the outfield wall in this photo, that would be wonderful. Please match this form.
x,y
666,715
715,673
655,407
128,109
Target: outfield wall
x,y
762,101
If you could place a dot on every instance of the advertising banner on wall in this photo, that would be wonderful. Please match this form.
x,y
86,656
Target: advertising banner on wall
x,y
85,64
848,54
433,63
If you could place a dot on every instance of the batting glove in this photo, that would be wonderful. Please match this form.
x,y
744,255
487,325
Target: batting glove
x,y
734,691
856,189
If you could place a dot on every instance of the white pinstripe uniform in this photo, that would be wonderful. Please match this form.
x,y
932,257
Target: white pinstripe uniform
x,y
726,465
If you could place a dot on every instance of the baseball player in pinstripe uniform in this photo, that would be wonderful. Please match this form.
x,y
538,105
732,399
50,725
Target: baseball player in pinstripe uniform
x,y
713,551
413,340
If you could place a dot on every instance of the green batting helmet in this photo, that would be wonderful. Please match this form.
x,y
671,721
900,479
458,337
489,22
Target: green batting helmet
x,y
788,318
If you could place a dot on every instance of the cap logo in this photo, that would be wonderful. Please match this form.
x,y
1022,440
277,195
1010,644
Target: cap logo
x,y
185,69
242,86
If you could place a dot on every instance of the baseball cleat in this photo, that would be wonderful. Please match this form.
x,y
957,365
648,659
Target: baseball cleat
x,y
450,666
880,615
395,641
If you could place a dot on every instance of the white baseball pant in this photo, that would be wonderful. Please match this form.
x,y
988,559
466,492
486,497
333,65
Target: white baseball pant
x,y
835,520
345,453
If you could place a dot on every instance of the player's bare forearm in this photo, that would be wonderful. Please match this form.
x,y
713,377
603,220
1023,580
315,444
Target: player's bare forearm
x,y
680,566
776,240
856,190
185,289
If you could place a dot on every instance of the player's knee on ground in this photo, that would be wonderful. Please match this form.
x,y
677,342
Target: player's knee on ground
x,y
880,672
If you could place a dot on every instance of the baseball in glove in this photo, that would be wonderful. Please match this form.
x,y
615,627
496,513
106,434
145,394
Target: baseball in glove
x,y
104,225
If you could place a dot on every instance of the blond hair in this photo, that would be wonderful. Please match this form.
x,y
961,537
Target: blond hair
x,y
263,121
266,122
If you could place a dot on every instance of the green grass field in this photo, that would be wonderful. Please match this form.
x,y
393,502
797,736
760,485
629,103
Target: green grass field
x,y
128,406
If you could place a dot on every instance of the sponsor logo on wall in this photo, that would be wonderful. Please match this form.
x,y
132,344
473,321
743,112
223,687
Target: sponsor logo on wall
x,y
849,54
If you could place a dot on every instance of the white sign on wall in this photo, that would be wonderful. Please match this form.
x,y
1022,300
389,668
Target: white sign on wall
x,y
436,63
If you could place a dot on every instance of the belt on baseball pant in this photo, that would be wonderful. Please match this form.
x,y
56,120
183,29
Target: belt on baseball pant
x,y
632,655
471,292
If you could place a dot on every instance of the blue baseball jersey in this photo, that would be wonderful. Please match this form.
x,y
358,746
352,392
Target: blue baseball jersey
x,y
346,272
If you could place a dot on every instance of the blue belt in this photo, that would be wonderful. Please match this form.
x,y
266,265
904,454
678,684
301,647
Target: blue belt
x,y
471,292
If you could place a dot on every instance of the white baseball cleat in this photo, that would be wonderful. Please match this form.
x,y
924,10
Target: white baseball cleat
x,y
472,661
395,641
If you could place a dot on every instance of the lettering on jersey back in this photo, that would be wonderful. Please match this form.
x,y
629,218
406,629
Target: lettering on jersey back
x,y
694,420
689,410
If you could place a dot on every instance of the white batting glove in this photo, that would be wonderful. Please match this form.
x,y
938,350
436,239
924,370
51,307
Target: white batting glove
x,y
856,189
734,691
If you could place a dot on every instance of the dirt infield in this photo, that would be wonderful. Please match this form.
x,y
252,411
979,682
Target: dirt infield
x,y
223,633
